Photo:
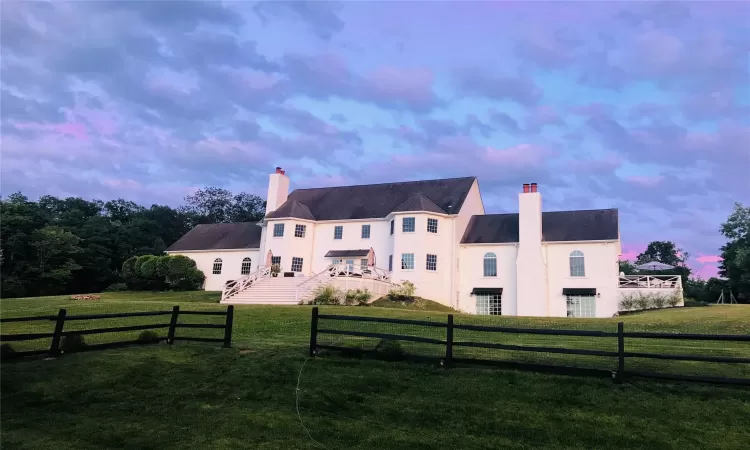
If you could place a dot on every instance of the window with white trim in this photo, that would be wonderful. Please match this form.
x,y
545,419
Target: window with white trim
x,y
390,263
490,265
350,265
217,266
431,262
392,223
577,264
278,230
246,266
276,260
408,225
365,231
296,264
336,261
299,230
338,232
432,225
364,262
407,261
581,306
489,304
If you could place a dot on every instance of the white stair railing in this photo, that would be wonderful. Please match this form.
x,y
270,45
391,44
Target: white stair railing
x,y
232,288
342,270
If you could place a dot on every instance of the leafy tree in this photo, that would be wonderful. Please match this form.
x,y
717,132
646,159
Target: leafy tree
x,y
217,205
627,267
54,262
735,264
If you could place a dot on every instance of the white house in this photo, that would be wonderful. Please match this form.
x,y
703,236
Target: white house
x,y
433,233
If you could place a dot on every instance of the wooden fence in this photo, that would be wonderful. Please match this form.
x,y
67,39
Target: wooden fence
x,y
62,318
620,373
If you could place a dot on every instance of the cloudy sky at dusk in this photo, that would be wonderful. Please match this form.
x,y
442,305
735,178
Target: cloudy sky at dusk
x,y
640,106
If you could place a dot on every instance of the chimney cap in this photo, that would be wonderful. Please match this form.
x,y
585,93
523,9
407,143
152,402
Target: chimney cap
x,y
278,169
534,187
526,187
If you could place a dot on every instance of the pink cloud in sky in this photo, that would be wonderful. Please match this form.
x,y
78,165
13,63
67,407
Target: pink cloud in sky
x,y
412,85
76,130
644,180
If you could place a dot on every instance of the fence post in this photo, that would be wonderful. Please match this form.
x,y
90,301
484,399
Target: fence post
x,y
54,348
228,327
173,324
314,331
620,353
449,341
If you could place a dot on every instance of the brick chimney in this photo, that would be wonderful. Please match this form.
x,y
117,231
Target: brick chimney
x,y
278,190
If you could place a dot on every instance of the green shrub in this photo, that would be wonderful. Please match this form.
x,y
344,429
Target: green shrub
x,y
128,267
182,273
350,298
146,267
658,301
148,337
72,343
642,301
6,351
403,293
674,299
363,297
691,302
328,294
116,287
389,350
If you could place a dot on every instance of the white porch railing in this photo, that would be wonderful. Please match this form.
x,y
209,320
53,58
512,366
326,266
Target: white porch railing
x,y
234,287
651,281
343,270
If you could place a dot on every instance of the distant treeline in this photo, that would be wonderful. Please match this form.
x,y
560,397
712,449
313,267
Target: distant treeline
x,y
68,246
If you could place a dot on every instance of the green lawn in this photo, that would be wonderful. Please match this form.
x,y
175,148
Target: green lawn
x,y
201,396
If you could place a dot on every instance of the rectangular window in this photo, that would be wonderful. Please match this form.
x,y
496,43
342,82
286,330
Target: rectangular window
x,y
278,230
490,266
390,263
363,262
432,225
299,230
350,265
296,264
336,261
392,221
276,260
338,232
581,306
489,304
431,262
365,231
407,261
408,225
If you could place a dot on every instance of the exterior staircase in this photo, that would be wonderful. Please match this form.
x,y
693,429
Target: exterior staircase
x,y
268,291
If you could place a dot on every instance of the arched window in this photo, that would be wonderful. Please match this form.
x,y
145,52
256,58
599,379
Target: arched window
x,y
246,265
217,266
490,264
577,266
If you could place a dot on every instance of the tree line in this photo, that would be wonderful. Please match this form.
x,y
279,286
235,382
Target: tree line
x,y
68,246
734,268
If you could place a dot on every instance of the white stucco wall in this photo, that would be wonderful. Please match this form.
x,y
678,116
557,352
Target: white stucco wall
x,y
231,264
351,239
289,246
433,285
471,275
600,267
472,206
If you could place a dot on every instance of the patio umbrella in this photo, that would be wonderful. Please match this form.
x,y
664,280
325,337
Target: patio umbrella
x,y
654,265
371,258
269,258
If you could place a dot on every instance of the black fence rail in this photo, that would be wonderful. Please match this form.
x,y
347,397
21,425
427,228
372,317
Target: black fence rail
x,y
443,335
62,318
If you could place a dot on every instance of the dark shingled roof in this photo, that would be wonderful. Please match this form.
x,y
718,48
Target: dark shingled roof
x,y
377,200
557,226
215,236
293,208
419,203
344,253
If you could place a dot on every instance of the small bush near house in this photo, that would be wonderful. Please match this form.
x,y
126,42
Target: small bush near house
x,y
639,301
359,297
404,293
328,294
693,303
389,350
116,287
148,337
674,299
72,342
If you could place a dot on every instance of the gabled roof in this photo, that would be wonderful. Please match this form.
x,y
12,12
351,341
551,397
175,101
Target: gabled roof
x,y
216,236
378,200
293,208
557,226
419,202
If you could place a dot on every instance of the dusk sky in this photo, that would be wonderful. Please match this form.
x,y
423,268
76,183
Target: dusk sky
x,y
639,106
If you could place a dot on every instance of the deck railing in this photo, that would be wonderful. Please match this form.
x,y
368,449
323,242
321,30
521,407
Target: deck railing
x,y
651,281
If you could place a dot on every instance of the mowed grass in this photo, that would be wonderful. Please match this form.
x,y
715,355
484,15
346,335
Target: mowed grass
x,y
201,396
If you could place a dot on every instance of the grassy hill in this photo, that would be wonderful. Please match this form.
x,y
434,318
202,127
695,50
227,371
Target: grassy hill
x,y
201,396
